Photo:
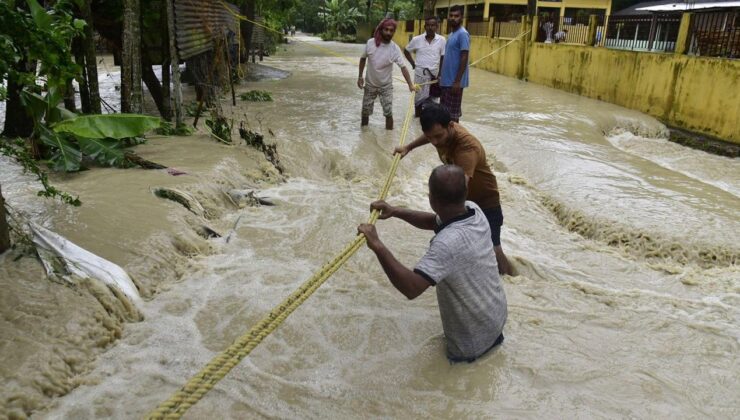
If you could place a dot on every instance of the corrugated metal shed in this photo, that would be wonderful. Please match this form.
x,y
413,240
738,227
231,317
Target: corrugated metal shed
x,y
198,23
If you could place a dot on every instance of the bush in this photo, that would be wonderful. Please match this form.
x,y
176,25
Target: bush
x,y
333,36
256,96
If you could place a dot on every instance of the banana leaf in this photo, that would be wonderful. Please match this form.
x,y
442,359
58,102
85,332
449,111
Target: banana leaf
x,y
40,17
106,152
65,155
40,107
114,126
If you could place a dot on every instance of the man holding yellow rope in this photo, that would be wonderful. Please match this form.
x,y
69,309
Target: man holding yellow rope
x,y
457,146
460,263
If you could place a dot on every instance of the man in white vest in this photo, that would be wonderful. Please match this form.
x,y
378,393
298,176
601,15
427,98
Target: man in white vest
x,y
430,50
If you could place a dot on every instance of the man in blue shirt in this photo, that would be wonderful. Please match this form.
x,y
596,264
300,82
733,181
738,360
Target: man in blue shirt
x,y
454,72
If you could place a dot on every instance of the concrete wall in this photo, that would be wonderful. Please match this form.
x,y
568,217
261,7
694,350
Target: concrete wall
x,y
696,93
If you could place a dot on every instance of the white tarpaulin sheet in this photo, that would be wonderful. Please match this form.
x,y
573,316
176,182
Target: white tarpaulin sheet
x,y
62,258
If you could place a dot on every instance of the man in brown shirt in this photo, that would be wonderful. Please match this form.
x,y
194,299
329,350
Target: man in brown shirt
x,y
455,145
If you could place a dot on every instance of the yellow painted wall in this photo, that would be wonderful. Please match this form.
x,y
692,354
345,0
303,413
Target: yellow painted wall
x,y
697,93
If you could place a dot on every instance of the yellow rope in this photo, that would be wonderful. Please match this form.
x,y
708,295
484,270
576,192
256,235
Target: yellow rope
x,y
196,388
500,48
219,366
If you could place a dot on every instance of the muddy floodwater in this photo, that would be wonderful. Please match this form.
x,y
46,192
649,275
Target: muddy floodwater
x,y
626,302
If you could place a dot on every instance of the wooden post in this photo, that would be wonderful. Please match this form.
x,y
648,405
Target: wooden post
x,y
651,34
227,46
592,25
491,26
166,81
79,54
131,93
524,43
175,63
91,65
4,235
246,28
535,28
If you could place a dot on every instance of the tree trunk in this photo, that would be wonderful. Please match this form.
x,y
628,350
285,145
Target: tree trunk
x,y
429,8
84,91
131,97
69,97
91,65
155,89
247,9
17,121
166,95
175,63
4,235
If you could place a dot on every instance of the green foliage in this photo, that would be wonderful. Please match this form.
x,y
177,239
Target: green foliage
x,y
65,155
101,138
107,152
45,108
256,96
69,138
339,38
341,17
37,35
220,128
167,129
114,126
18,151
191,109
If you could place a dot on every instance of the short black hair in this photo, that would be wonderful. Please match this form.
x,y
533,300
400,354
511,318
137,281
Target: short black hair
x,y
435,18
458,8
432,114
447,185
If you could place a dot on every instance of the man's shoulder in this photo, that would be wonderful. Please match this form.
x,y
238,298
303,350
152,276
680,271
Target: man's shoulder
x,y
460,32
417,39
472,205
370,45
454,237
465,137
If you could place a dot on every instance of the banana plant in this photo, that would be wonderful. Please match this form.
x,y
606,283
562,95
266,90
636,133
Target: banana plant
x,y
70,138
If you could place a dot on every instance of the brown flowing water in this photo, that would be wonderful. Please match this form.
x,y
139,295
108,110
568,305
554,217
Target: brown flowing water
x,y
626,302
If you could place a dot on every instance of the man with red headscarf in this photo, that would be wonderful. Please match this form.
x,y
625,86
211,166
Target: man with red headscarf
x,y
380,54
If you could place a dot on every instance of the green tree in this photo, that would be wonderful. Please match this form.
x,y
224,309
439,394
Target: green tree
x,y
35,50
341,17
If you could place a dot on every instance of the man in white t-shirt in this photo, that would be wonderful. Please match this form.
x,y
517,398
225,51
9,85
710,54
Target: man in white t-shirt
x,y
380,54
430,50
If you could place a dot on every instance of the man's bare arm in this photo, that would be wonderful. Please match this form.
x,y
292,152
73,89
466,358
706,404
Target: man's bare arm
x,y
404,150
419,219
360,80
403,279
410,58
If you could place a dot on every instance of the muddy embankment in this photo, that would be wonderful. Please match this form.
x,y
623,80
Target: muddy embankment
x,y
150,222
